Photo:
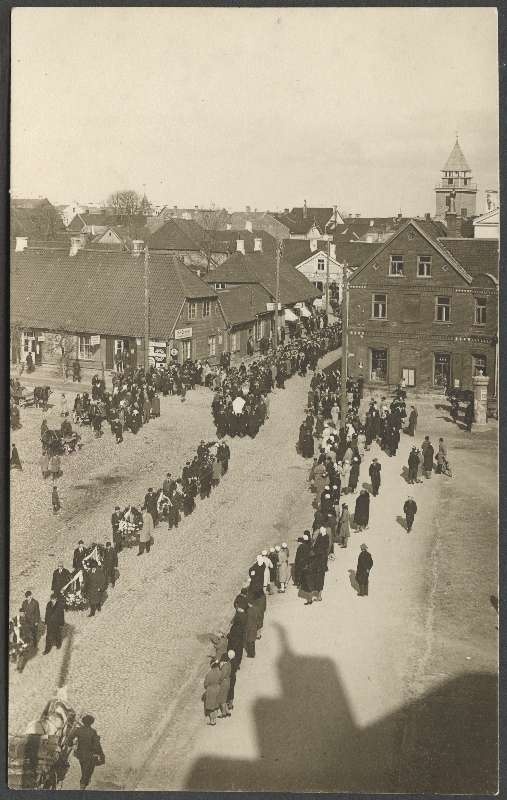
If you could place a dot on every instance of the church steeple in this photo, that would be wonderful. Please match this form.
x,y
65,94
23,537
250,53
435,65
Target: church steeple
x,y
456,186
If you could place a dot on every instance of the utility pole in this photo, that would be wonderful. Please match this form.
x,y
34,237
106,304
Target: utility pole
x,y
344,405
277,291
146,309
327,275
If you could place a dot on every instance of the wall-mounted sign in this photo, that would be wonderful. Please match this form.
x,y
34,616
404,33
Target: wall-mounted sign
x,y
271,306
174,352
138,343
94,341
157,353
41,337
183,333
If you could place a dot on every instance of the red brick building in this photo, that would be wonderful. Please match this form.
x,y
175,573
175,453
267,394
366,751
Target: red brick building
x,y
425,308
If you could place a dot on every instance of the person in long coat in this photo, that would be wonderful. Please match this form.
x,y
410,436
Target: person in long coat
x,y
251,630
95,586
364,565
319,562
15,459
344,526
61,577
374,473
225,685
54,620
55,466
410,510
362,510
413,465
88,751
412,421
428,453
236,635
211,695
302,557
283,567
44,464
345,476
354,473
308,444
146,533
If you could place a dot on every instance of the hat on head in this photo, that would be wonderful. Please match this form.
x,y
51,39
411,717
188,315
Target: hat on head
x,y
284,544
264,553
364,547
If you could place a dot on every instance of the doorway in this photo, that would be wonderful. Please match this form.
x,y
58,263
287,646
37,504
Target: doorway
x,y
408,374
442,370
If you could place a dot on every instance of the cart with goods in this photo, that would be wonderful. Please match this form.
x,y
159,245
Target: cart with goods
x,y
19,643
39,758
130,526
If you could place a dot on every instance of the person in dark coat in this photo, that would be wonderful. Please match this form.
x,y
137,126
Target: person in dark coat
x,y
374,473
469,416
236,635
79,555
251,630
95,585
364,565
413,465
61,577
354,473
412,421
410,510
15,459
319,562
362,510
110,564
31,610
302,557
55,500
428,454
88,751
54,620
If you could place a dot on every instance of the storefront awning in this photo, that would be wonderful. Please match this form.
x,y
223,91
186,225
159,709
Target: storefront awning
x,y
290,316
305,312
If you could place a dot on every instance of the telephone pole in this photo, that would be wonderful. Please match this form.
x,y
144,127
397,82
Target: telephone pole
x,y
277,291
146,309
344,404
327,275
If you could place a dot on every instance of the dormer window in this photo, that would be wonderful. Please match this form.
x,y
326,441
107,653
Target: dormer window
x,y
321,264
396,266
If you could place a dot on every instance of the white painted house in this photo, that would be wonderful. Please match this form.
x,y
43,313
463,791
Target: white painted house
x,y
487,226
315,268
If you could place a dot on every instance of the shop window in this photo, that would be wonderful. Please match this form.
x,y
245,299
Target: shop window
x,y
379,306
396,266
85,348
480,365
378,372
480,311
212,345
443,309
442,369
424,266
186,349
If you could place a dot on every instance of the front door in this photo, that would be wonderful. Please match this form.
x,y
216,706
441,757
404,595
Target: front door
x,y
409,375
442,370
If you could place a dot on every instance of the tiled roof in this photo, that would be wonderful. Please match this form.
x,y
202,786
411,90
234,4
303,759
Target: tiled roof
x,y
354,254
225,241
41,221
299,226
29,202
475,255
243,303
295,251
320,215
177,234
258,268
456,160
99,292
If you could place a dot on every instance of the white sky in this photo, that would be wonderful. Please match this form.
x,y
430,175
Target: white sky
x,y
259,107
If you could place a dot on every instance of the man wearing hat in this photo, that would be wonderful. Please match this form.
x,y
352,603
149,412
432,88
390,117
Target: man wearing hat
x,y
89,751
410,510
364,565
79,554
374,473
54,620
115,525
31,610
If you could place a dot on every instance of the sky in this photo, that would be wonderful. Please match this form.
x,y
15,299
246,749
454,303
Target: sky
x,y
264,107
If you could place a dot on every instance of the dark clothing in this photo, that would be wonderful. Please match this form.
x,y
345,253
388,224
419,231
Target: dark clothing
x,y
60,579
77,561
55,620
302,558
362,511
364,565
31,609
95,584
88,752
110,564
374,472
410,510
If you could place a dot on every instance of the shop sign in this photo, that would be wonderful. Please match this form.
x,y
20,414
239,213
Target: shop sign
x,y
183,333
174,352
157,353
94,341
272,306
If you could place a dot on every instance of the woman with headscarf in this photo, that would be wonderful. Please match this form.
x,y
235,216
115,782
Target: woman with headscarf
x,y
362,510
211,695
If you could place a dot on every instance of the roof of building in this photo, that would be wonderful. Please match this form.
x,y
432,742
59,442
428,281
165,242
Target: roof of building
x,y
35,218
225,241
477,256
321,215
354,254
299,226
436,243
456,161
177,234
243,303
99,291
491,217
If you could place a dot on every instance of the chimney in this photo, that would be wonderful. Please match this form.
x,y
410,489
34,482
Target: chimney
x,y
137,247
240,246
313,245
258,245
76,244
21,243
305,210
248,225
332,250
452,227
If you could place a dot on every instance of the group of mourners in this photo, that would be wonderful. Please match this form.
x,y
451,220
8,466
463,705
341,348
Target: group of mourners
x,y
240,404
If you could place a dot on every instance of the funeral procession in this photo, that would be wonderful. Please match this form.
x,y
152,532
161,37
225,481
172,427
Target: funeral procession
x,y
253,453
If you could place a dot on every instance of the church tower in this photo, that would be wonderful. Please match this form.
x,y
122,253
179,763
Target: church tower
x,y
456,190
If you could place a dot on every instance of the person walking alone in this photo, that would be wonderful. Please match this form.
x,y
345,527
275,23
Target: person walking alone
x,y
364,566
410,510
374,473
88,751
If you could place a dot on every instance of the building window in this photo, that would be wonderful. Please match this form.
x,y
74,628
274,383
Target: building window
x,y
379,306
186,349
480,311
206,308
442,369
443,309
258,330
192,309
220,286
424,266
235,342
28,338
85,348
212,345
319,285
450,181
378,371
480,365
396,266
321,264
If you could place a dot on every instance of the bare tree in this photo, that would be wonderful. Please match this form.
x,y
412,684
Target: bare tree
x,y
127,203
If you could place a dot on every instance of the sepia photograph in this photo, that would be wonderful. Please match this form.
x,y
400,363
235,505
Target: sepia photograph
x,y
253,264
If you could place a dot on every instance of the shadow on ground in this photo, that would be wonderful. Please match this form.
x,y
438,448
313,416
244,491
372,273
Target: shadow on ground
x,y
308,740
